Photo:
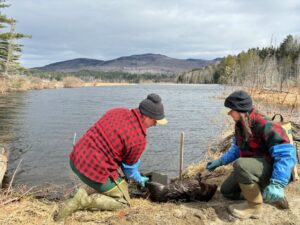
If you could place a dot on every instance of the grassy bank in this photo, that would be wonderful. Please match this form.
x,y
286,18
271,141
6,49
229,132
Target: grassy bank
x,y
29,210
22,83
271,102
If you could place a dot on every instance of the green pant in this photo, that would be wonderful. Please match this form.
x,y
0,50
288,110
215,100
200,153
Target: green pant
x,y
246,171
109,185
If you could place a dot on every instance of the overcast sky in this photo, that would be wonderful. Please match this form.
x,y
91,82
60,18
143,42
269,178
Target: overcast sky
x,y
98,29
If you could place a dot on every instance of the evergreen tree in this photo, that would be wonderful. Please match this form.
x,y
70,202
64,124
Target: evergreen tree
x,y
9,49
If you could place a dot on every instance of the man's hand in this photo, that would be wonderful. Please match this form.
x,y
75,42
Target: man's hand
x,y
212,165
143,181
274,191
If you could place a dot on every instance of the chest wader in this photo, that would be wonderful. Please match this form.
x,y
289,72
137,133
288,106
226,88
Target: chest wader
x,y
112,199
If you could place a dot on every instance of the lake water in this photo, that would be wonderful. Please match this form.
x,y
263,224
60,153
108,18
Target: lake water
x,y
39,126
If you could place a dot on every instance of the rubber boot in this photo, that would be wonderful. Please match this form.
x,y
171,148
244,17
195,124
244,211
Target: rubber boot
x,y
79,201
89,190
120,192
102,202
252,207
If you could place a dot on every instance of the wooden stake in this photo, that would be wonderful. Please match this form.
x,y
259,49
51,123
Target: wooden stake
x,y
181,154
74,139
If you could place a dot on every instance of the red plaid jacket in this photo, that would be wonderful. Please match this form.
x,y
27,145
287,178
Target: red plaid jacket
x,y
266,134
118,136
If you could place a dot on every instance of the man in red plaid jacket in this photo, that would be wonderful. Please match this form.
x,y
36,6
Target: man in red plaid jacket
x,y
116,140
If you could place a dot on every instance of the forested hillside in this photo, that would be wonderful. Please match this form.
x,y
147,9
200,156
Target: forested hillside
x,y
118,76
270,67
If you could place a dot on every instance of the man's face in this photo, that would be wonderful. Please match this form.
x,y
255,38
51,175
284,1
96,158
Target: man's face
x,y
149,122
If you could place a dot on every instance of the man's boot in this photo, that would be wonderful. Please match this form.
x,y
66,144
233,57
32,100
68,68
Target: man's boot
x,y
79,201
252,207
102,202
120,192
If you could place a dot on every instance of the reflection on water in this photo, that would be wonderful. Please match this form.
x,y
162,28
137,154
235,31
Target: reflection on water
x,y
39,125
11,120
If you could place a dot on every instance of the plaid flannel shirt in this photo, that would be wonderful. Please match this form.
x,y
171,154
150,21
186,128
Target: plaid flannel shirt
x,y
118,136
266,134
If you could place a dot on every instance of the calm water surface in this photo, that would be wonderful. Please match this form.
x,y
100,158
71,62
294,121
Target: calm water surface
x,y
39,126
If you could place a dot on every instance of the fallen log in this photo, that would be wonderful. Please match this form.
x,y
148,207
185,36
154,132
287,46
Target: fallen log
x,y
3,163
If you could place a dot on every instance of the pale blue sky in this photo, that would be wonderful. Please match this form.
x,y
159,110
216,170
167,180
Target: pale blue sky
x,y
67,29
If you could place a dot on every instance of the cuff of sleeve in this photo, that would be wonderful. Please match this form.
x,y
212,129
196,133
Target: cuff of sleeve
x,y
222,162
277,182
133,166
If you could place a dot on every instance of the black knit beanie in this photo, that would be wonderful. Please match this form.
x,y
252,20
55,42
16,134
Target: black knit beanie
x,y
239,101
152,107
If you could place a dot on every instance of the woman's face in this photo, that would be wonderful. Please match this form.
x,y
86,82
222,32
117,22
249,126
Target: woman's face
x,y
236,116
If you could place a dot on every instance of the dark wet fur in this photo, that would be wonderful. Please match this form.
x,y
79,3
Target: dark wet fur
x,y
181,190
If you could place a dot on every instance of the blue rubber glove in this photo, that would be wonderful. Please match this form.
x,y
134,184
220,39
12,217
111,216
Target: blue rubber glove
x,y
132,172
143,181
212,165
274,191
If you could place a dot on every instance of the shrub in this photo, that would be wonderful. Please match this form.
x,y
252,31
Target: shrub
x,y
71,82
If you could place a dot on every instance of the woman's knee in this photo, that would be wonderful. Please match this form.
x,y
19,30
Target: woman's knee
x,y
240,168
243,171
238,164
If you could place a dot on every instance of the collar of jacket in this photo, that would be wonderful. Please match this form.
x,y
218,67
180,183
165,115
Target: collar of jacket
x,y
139,117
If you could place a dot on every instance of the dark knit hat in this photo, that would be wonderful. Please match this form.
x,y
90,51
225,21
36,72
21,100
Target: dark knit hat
x,y
239,101
153,108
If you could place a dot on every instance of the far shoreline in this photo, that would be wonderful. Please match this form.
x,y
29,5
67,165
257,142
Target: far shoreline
x,y
290,98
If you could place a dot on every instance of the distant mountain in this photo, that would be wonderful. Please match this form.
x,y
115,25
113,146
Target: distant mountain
x,y
145,63
71,65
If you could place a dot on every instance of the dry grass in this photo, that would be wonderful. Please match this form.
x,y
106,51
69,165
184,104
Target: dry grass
x,y
72,82
3,85
22,83
271,102
291,98
27,211
18,83
31,211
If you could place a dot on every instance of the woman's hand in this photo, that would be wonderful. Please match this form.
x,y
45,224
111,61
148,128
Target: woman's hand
x,y
212,165
274,191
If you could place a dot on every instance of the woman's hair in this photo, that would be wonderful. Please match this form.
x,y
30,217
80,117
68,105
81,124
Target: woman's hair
x,y
246,125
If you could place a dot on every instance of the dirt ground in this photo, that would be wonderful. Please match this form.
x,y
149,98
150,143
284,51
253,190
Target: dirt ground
x,y
33,211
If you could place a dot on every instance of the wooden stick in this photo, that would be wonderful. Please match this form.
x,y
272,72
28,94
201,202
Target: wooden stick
x,y
13,177
16,198
295,175
74,139
181,154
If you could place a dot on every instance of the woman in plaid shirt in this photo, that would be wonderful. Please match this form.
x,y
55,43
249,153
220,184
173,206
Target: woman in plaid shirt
x,y
115,141
263,155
